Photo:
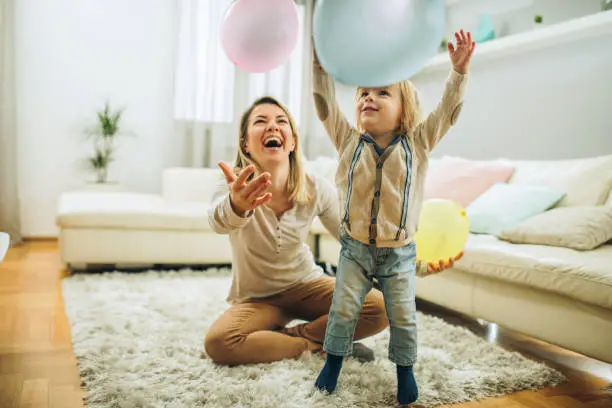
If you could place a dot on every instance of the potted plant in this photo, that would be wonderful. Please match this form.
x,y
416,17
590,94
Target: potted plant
x,y
537,20
104,136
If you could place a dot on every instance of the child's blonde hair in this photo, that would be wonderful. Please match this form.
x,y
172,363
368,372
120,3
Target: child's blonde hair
x,y
297,184
411,108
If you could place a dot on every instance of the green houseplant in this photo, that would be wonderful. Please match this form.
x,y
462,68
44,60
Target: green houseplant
x,y
104,136
538,19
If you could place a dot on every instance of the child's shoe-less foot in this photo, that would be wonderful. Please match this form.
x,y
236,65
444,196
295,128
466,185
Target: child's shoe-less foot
x,y
328,377
407,390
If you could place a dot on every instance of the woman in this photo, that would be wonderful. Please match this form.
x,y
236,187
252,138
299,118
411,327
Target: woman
x,y
267,209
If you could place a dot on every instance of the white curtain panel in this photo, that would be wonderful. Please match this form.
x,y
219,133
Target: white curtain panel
x,y
9,201
211,93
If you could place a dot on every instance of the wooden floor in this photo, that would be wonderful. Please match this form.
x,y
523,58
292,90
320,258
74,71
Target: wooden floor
x,y
38,367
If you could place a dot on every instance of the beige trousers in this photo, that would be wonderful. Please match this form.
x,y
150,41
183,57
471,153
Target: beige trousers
x,y
254,331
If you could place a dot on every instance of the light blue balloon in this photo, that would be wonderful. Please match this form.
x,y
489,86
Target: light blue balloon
x,y
377,42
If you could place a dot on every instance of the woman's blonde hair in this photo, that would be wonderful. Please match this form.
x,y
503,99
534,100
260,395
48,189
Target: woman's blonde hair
x,y
297,184
411,108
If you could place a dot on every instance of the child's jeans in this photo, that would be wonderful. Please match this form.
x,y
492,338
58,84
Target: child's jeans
x,y
394,268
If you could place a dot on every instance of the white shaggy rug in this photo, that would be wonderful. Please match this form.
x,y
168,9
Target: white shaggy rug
x,y
138,338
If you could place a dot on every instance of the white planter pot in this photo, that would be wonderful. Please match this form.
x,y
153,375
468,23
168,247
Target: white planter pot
x,y
108,186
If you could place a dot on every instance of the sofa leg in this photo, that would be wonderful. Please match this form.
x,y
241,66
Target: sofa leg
x,y
76,267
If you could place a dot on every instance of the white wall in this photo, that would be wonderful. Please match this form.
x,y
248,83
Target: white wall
x,y
549,104
510,17
72,55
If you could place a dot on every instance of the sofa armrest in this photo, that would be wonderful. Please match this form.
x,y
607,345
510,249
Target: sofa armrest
x,y
187,184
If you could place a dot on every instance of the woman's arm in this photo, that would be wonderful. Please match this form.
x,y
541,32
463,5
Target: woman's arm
x,y
235,201
328,110
328,210
222,217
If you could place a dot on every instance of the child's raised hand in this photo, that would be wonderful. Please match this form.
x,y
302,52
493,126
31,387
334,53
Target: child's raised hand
x,y
246,195
461,54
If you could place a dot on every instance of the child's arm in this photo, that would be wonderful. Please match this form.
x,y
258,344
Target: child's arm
x,y
328,110
437,123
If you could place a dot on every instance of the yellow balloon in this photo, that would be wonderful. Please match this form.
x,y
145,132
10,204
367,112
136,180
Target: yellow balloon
x,y
443,230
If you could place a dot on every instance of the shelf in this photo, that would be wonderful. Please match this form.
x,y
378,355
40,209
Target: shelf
x,y
592,26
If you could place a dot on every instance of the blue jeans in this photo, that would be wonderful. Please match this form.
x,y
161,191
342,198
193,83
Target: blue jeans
x,y
394,268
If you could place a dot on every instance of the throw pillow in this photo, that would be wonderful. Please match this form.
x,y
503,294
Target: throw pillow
x,y
463,180
585,181
505,205
582,228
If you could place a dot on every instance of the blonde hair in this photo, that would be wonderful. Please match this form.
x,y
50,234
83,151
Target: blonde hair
x,y
411,107
297,184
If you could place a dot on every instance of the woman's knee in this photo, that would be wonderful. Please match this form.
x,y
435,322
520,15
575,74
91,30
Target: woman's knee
x,y
216,346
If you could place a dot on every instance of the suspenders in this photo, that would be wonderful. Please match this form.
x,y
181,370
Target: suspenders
x,y
406,192
356,155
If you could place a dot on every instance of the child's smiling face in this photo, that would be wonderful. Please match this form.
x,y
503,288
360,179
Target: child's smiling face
x,y
379,109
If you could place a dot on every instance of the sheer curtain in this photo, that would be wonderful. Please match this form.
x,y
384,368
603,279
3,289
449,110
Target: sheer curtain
x,y
211,93
9,201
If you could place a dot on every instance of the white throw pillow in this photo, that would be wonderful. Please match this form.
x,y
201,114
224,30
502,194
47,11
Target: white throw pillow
x,y
581,228
585,181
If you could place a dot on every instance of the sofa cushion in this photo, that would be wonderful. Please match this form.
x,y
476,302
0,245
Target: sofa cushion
x,y
129,211
324,167
585,181
581,275
581,228
463,180
191,185
505,205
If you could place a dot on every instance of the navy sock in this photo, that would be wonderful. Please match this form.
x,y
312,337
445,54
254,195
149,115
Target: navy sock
x,y
407,391
328,378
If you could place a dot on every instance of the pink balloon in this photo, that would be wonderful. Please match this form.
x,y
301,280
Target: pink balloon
x,y
259,35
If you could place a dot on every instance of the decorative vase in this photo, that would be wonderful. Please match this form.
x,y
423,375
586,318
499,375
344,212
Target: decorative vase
x,y
107,186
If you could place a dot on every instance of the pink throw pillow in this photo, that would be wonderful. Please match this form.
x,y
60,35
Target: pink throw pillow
x,y
463,180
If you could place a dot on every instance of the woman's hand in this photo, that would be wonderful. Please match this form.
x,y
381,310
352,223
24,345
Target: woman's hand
x,y
433,267
461,54
246,195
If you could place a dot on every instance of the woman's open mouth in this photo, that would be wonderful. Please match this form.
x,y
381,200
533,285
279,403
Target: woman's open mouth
x,y
273,143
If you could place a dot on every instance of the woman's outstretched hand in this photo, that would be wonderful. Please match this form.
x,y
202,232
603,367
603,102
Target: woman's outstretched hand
x,y
246,195
461,54
433,267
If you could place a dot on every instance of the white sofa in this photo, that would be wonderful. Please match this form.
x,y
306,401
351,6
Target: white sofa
x,y
559,295
134,229
528,288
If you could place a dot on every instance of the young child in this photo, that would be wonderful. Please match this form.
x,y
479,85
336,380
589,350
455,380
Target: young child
x,y
380,176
